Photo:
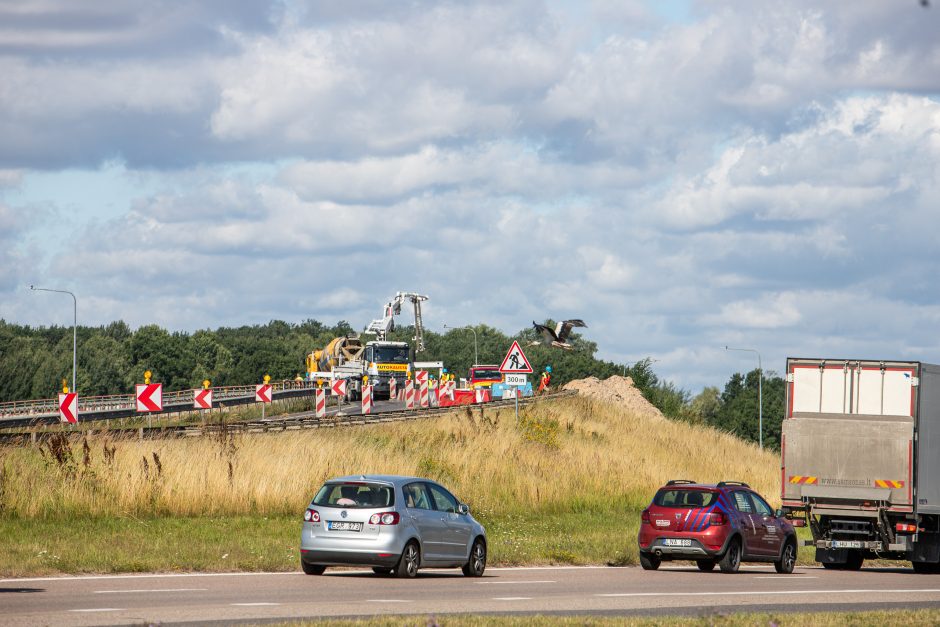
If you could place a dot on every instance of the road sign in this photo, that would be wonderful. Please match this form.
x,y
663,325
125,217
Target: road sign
x,y
516,379
421,376
202,399
515,360
339,387
149,397
263,393
68,408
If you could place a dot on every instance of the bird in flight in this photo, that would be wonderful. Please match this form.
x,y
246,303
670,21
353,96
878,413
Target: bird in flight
x,y
557,337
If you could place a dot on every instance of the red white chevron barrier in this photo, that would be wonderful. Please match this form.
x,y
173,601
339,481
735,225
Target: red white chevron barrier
x,y
424,396
339,387
482,395
409,394
320,403
366,399
392,385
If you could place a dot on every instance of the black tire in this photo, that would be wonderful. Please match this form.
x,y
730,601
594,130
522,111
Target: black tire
x,y
787,560
649,561
731,560
312,569
409,561
476,563
926,568
382,570
854,561
829,566
706,566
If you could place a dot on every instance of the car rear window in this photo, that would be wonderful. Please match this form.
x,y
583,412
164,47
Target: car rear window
x,y
685,498
355,494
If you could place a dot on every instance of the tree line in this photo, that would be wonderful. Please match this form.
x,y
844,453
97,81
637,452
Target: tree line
x,y
112,358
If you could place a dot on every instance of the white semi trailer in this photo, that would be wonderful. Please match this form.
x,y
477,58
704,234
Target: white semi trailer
x,y
860,459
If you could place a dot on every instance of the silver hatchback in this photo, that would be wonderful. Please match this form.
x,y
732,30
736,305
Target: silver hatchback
x,y
394,524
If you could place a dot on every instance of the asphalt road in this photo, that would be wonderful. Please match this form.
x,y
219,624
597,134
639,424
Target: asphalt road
x,y
172,598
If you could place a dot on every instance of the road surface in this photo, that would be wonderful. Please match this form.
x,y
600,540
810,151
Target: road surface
x,y
169,598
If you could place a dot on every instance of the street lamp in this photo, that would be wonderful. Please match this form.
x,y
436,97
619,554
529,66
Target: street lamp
x,y
475,357
760,396
74,327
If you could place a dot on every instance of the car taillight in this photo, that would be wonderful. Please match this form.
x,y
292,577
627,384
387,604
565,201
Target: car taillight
x,y
717,518
311,515
645,517
386,518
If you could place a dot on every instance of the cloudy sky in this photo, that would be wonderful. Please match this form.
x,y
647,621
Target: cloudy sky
x,y
682,175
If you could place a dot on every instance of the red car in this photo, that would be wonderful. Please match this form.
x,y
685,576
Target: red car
x,y
723,524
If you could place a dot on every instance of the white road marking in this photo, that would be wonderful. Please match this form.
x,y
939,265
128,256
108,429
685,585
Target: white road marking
x,y
149,576
785,577
493,583
693,567
152,590
253,604
101,609
388,601
758,593
512,598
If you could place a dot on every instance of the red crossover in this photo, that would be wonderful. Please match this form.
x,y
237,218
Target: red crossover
x,y
721,524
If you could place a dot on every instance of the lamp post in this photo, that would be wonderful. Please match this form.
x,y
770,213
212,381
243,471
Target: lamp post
x,y
476,359
74,328
760,395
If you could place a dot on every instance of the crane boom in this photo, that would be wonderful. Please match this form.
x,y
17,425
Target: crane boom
x,y
382,326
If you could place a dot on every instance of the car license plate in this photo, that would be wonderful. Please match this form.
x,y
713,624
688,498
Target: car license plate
x,y
343,525
677,542
846,544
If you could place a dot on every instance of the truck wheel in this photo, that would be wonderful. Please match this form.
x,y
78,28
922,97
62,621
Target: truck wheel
x,y
787,558
926,568
649,561
854,561
731,560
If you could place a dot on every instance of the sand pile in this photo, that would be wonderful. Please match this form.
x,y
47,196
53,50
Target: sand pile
x,y
617,390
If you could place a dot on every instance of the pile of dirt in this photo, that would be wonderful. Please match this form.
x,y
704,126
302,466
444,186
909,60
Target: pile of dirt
x,y
618,390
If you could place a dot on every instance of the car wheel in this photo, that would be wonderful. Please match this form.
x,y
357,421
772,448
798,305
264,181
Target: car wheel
x,y
706,566
649,561
408,563
854,561
312,569
381,570
787,559
731,560
477,562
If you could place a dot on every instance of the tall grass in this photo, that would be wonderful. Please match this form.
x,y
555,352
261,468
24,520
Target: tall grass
x,y
567,455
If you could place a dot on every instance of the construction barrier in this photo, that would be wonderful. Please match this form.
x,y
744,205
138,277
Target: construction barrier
x,y
320,403
421,376
482,395
424,395
339,387
366,399
409,394
392,385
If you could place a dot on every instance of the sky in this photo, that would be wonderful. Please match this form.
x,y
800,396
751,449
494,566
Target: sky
x,y
683,175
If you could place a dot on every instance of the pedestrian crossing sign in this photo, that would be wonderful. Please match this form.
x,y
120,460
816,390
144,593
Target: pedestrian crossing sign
x,y
515,361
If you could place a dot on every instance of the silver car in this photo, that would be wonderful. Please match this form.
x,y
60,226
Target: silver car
x,y
393,524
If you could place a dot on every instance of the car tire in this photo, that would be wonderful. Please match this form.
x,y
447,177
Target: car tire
x,y
312,569
409,561
706,566
649,561
787,560
382,570
854,561
476,563
731,560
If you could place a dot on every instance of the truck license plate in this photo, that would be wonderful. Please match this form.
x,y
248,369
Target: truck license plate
x,y
677,542
846,544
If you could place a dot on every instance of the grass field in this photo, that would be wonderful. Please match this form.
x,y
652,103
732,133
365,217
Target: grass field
x,y
564,485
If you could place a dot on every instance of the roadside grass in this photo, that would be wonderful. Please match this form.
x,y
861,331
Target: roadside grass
x,y
911,618
564,485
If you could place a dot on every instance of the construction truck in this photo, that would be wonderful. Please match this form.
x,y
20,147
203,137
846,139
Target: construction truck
x,y
860,459
375,362
382,326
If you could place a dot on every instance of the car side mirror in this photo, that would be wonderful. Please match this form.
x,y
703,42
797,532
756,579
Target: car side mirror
x,y
779,513
463,508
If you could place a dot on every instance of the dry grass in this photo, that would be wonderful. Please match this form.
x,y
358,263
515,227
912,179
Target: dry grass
x,y
566,455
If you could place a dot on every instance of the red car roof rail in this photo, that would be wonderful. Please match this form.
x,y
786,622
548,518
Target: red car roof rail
x,y
679,481
722,484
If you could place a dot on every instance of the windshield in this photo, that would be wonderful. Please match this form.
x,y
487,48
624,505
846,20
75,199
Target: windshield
x,y
391,354
685,498
355,494
485,373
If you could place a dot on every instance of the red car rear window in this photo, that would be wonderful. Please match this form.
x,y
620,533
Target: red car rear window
x,y
685,498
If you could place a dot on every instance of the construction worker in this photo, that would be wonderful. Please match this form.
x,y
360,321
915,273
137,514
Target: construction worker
x,y
545,380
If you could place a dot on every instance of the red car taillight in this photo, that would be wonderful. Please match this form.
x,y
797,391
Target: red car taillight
x,y
645,517
386,518
717,518
311,515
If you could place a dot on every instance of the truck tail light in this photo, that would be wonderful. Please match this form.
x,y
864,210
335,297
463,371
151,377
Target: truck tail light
x,y
905,528
385,518
798,522
717,518
311,515
645,517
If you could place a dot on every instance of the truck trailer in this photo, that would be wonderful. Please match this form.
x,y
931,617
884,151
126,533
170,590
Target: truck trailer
x,y
860,459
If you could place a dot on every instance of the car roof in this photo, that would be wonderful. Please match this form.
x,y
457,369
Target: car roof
x,y
397,480
709,486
